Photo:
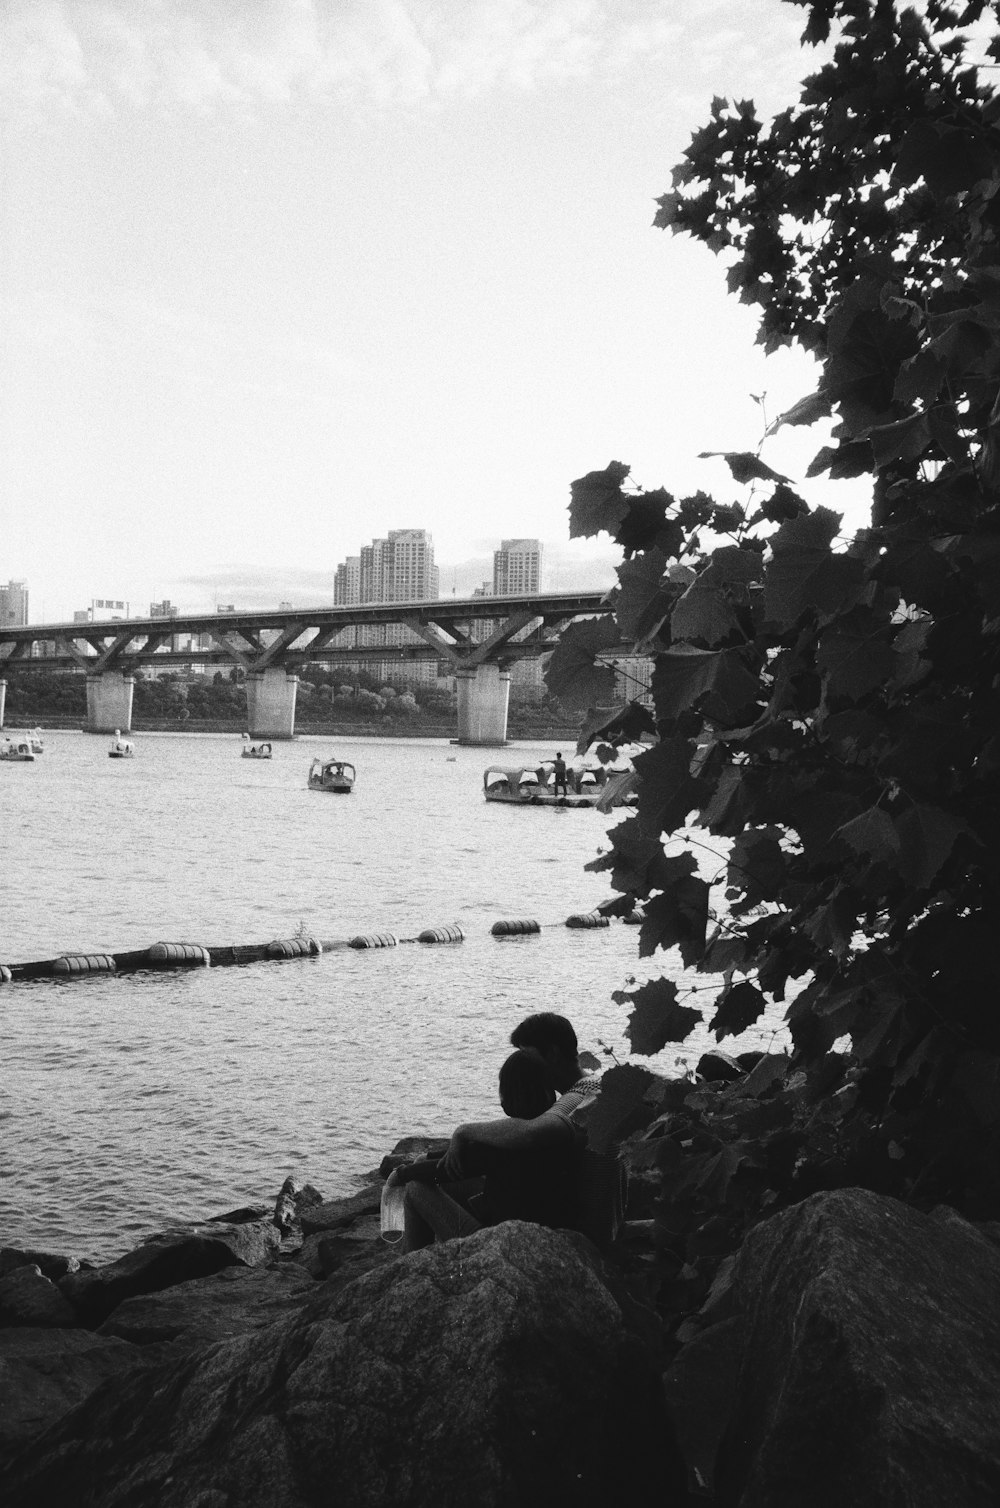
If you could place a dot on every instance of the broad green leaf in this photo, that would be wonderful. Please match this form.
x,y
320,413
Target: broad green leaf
x,y
714,682
702,616
744,465
926,837
597,501
738,1008
573,674
656,1018
873,835
804,574
625,1104
676,918
645,597
667,789
855,661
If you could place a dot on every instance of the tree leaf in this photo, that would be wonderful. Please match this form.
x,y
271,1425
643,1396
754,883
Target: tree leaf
x,y
714,682
676,918
873,835
656,1018
738,1008
621,1107
744,465
597,502
573,674
926,837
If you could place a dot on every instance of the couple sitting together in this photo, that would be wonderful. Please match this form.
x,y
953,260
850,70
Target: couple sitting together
x,y
530,1165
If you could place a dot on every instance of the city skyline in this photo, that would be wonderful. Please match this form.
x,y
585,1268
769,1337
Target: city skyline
x,y
271,268
521,571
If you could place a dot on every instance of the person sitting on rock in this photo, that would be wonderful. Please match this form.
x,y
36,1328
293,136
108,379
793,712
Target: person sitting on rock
x,y
530,1163
494,1185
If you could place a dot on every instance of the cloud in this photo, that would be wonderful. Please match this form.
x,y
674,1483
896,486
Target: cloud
x,y
211,55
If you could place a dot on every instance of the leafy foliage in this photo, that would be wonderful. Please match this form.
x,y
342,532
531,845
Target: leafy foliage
x,y
828,707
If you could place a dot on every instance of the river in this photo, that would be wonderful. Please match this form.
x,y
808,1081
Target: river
x,y
128,1103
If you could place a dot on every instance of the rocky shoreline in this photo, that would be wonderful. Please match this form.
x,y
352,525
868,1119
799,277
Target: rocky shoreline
x,y
285,1356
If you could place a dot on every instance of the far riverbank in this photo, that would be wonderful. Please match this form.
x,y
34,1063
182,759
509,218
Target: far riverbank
x,y
517,731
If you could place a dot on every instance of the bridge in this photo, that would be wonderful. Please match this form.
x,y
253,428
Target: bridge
x,y
272,647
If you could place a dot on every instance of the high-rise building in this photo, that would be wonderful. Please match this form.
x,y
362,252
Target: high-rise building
x,y
517,567
347,582
14,604
399,568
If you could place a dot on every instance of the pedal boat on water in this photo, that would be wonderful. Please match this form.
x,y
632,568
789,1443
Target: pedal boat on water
x,y
16,750
524,785
254,751
336,775
121,748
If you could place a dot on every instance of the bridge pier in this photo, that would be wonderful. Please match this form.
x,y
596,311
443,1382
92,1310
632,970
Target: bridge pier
x,y
271,703
483,695
109,702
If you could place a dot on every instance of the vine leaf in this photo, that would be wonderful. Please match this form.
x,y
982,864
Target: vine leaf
x,y
656,1017
740,1006
573,674
597,501
626,1103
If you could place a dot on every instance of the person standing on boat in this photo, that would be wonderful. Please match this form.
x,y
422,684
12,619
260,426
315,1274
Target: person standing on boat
x,y
559,775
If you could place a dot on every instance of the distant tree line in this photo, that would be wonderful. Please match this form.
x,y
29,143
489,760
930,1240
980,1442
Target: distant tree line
x,y
325,695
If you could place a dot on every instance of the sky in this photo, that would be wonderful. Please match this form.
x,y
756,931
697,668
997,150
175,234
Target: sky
x,y
278,276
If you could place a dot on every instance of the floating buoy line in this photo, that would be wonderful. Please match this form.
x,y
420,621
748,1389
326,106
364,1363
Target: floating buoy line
x,y
162,956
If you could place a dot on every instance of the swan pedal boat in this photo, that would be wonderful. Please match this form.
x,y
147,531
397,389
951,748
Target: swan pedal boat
x,y
255,751
336,775
17,750
121,748
534,785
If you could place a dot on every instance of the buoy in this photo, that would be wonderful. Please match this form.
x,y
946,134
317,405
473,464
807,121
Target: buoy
x,y
374,940
175,954
513,929
441,934
85,963
294,947
588,919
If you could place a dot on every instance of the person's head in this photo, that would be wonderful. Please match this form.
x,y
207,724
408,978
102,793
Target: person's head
x,y
552,1037
525,1087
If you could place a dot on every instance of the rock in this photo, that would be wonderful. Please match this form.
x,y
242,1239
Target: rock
x,y
242,1216
171,1257
45,1373
871,1362
700,1389
494,1371
205,1310
350,1251
409,1149
49,1265
290,1203
27,1297
335,1214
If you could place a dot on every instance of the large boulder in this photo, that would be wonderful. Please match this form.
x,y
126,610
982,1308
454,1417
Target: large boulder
x,y
495,1371
27,1297
175,1256
45,1373
871,1360
204,1310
